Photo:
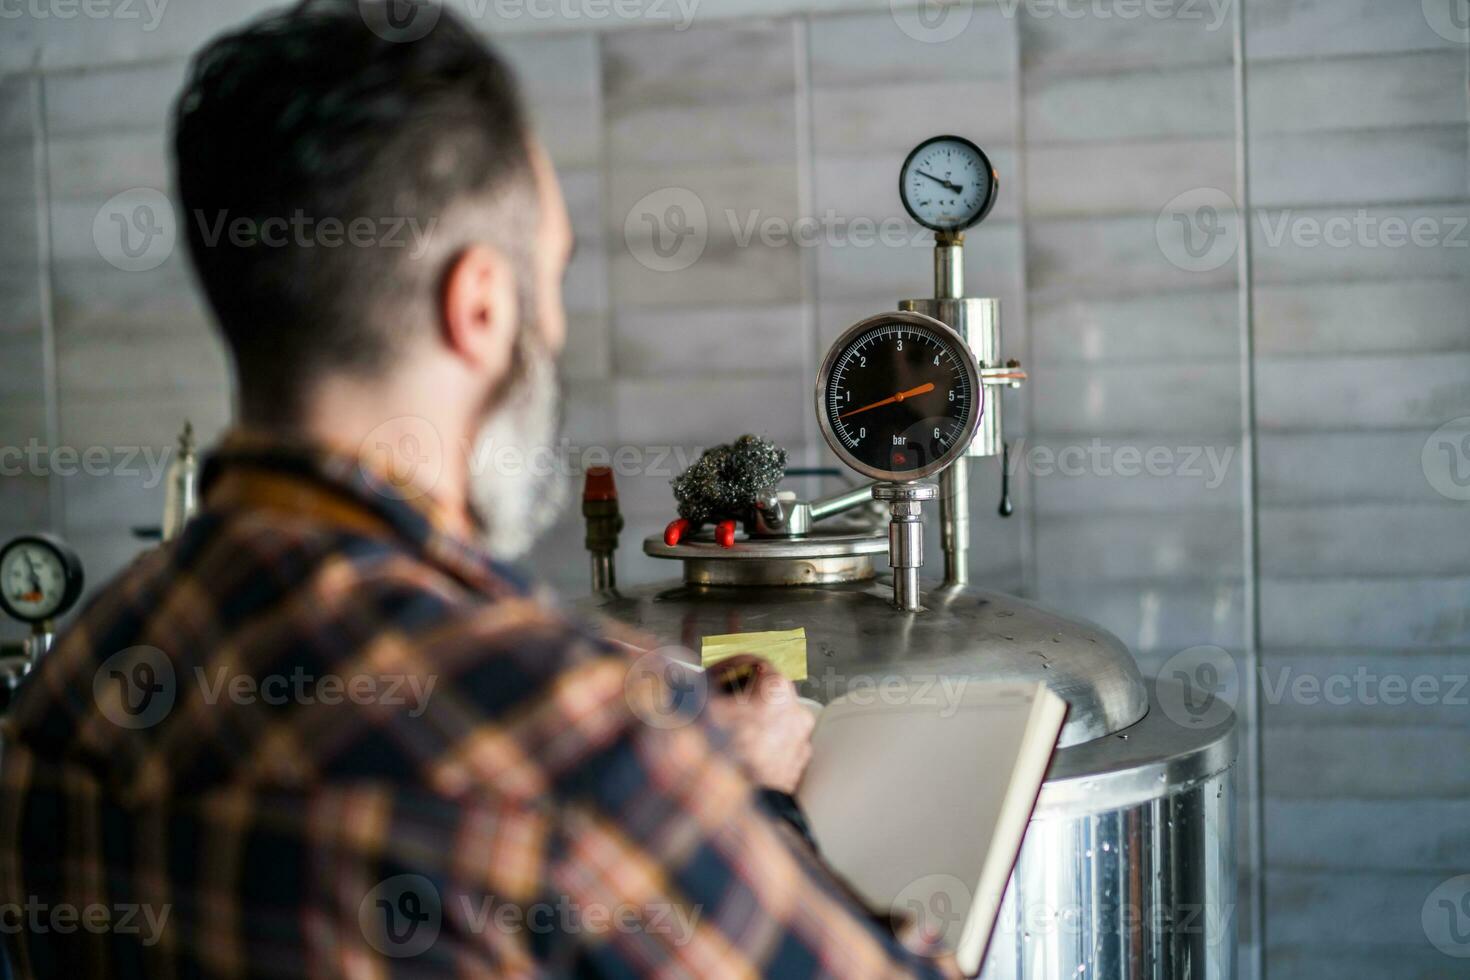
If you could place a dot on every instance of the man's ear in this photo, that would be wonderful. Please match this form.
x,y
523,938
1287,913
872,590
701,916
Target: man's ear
x,y
481,309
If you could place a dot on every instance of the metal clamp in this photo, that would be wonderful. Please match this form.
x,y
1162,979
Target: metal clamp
x,y
905,536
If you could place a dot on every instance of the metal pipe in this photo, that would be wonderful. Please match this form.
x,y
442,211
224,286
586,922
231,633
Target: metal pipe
x,y
954,522
954,483
604,524
905,537
604,572
906,589
839,502
949,267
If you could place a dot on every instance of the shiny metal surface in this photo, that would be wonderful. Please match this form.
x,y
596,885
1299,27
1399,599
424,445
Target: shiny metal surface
x,y
1128,866
978,321
954,521
855,636
604,571
906,537
1127,871
839,503
949,266
820,558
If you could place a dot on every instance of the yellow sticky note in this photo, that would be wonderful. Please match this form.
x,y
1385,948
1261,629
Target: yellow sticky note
x,y
784,648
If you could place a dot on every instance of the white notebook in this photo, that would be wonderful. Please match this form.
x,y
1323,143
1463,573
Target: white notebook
x,y
920,798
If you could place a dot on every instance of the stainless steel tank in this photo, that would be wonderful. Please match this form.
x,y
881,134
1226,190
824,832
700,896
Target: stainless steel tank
x,y
1128,866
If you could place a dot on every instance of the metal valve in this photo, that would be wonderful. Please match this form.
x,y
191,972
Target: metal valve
x,y
905,536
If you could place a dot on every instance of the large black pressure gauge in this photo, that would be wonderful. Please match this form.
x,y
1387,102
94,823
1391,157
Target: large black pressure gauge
x,y
899,396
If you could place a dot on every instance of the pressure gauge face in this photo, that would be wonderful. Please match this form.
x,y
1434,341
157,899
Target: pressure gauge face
x,y
947,184
40,578
899,396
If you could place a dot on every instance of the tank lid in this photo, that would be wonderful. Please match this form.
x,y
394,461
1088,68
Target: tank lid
x,y
855,637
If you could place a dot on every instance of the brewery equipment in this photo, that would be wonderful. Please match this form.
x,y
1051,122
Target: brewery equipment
x,y
181,498
1128,867
41,579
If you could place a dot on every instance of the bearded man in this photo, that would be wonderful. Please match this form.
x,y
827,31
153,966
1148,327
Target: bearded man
x,y
327,731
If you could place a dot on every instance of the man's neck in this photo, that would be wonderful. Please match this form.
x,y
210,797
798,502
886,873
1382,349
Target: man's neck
x,y
416,443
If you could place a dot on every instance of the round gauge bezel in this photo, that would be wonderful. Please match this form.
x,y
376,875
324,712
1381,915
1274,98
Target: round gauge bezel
x,y
71,565
985,206
967,362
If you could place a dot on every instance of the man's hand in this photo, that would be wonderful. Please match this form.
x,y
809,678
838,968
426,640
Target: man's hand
x,y
770,730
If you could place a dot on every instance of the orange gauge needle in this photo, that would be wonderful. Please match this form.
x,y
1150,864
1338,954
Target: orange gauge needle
x,y
922,389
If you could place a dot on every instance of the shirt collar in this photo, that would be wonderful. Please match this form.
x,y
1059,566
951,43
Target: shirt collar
x,y
249,470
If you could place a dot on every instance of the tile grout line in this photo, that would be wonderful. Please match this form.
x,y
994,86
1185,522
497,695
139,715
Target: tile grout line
x,y
1254,754
805,197
605,228
1030,571
56,499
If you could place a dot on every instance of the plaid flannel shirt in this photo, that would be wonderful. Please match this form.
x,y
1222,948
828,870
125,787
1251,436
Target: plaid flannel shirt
x,y
322,735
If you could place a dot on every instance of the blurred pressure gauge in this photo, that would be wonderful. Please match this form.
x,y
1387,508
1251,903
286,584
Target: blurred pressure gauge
x,y
947,184
40,578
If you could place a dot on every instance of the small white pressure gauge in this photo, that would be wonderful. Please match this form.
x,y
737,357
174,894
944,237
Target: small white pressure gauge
x,y
947,184
40,578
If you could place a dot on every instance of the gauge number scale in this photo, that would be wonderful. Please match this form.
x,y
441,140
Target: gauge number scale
x,y
947,184
898,396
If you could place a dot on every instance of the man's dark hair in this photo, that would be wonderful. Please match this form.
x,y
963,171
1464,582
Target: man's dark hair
x,y
310,116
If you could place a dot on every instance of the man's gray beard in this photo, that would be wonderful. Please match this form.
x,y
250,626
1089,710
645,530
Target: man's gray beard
x,y
518,489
